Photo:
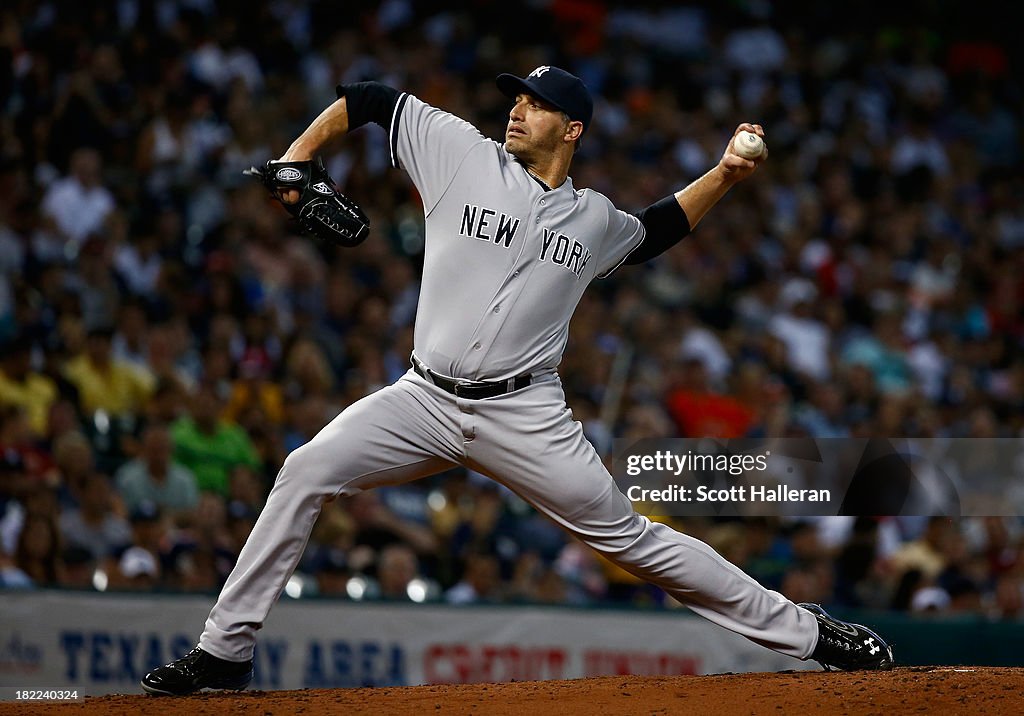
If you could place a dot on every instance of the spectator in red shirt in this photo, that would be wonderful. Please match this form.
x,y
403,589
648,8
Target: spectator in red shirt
x,y
698,412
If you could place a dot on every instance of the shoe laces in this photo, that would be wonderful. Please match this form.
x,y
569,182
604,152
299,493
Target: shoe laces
x,y
187,663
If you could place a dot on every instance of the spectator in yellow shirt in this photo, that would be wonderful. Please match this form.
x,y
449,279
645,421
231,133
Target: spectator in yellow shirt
x,y
23,387
254,392
106,383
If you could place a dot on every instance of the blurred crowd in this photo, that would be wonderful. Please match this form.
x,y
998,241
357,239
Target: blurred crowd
x,y
166,338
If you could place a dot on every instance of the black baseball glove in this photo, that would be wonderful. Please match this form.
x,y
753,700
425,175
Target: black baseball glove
x,y
321,210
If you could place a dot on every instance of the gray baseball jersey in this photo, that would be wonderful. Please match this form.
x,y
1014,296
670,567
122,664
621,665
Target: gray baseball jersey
x,y
506,263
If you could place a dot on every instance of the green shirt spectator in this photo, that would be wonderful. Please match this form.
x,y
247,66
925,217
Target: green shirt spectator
x,y
211,447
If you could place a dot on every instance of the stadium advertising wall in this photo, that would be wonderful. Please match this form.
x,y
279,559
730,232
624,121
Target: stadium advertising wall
x,y
103,644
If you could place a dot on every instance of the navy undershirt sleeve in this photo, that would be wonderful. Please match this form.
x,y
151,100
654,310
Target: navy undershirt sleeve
x,y
369,102
665,225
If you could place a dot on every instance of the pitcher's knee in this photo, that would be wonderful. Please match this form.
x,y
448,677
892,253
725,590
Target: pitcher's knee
x,y
304,469
617,540
636,549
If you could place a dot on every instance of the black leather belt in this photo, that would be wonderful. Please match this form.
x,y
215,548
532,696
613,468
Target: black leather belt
x,y
472,389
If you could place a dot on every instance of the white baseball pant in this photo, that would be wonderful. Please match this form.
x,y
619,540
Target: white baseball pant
x,y
525,440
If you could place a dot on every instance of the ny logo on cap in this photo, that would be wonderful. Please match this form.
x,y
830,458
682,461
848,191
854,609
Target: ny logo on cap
x,y
539,71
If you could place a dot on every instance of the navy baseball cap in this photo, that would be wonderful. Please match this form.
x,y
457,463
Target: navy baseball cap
x,y
560,89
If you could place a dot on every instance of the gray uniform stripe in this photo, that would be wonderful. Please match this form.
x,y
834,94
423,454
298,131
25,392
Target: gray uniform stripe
x,y
613,269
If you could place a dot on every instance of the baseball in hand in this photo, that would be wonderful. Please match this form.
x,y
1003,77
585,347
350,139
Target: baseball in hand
x,y
748,145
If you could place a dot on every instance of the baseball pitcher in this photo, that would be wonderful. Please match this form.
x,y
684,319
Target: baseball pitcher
x,y
511,245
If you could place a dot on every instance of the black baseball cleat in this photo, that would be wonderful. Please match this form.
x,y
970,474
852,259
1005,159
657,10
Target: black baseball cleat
x,y
195,671
847,646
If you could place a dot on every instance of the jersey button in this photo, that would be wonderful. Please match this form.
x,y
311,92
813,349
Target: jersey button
x,y
476,346
543,202
515,273
497,309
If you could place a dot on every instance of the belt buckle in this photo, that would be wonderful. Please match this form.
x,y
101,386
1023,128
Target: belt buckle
x,y
461,384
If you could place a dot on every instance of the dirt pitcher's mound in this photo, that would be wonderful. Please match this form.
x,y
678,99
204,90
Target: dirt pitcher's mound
x,y
913,690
